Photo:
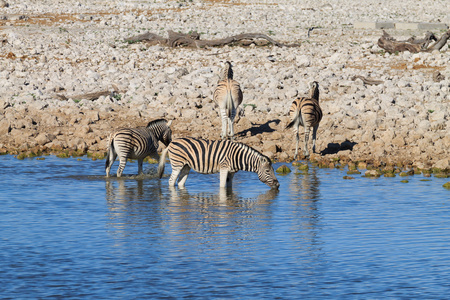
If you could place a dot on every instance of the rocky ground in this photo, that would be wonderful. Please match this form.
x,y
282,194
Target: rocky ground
x,y
54,53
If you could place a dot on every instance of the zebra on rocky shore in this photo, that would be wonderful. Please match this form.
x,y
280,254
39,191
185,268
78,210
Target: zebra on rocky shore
x,y
213,156
306,111
228,95
137,143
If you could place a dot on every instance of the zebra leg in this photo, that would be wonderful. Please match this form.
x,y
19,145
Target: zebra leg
x,y
174,176
183,176
296,143
305,151
224,124
231,126
140,162
123,162
230,179
112,157
314,137
223,177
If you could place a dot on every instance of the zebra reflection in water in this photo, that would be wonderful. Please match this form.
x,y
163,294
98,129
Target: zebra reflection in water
x,y
304,189
225,196
224,216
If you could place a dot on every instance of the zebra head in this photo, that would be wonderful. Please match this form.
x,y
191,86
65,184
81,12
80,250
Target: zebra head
x,y
314,90
266,173
161,130
167,135
227,71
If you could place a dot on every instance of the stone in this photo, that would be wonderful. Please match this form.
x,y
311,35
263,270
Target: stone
x,y
42,139
5,127
372,173
443,164
283,169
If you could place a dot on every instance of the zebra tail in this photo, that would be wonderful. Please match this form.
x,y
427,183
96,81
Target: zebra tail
x,y
290,124
294,119
110,149
230,103
162,161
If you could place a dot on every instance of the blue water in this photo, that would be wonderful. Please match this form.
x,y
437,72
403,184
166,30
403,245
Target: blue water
x,y
67,232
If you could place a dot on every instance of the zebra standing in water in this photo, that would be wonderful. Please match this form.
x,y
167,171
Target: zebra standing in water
x,y
228,96
207,157
307,113
137,143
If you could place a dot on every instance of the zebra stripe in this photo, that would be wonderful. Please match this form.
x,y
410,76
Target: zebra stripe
x,y
228,95
137,143
306,111
213,156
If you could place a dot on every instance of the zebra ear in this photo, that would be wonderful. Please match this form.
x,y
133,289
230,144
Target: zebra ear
x,y
265,160
169,123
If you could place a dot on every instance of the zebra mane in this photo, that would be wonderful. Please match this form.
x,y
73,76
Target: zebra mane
x,y
156,122
227,71
253,150
314,91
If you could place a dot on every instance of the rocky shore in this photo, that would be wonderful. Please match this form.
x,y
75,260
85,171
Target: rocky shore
x,y
54,54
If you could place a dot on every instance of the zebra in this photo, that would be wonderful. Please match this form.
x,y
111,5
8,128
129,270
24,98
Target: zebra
x,y
137,143
306,111
228,95
212,156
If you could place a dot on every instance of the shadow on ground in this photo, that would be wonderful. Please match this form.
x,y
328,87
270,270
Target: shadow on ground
x,y
259,128
333,148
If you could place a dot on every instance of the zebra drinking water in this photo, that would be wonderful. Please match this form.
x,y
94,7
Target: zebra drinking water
x,y
209,156
306,111
228,95
137,143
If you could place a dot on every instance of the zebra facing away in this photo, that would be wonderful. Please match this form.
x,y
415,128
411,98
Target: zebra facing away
x,y
210,156
306,111
228,95
137,143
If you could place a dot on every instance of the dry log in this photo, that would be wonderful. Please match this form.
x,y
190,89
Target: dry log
x,y
148,36
91,96
176,39
412,45
367,80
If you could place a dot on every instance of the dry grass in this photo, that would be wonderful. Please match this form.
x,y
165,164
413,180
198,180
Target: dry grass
x,y
52,19
401,66
404,66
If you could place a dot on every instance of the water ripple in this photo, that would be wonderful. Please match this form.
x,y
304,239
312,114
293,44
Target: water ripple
x,y
67,231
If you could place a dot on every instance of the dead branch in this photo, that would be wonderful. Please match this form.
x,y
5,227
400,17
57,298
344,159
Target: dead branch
x,y
429,36
176,39
367,80
91,96
413,45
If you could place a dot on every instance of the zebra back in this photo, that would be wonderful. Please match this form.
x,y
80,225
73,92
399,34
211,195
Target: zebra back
x,y
306,110
228,95
141,141
311,112
134,142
